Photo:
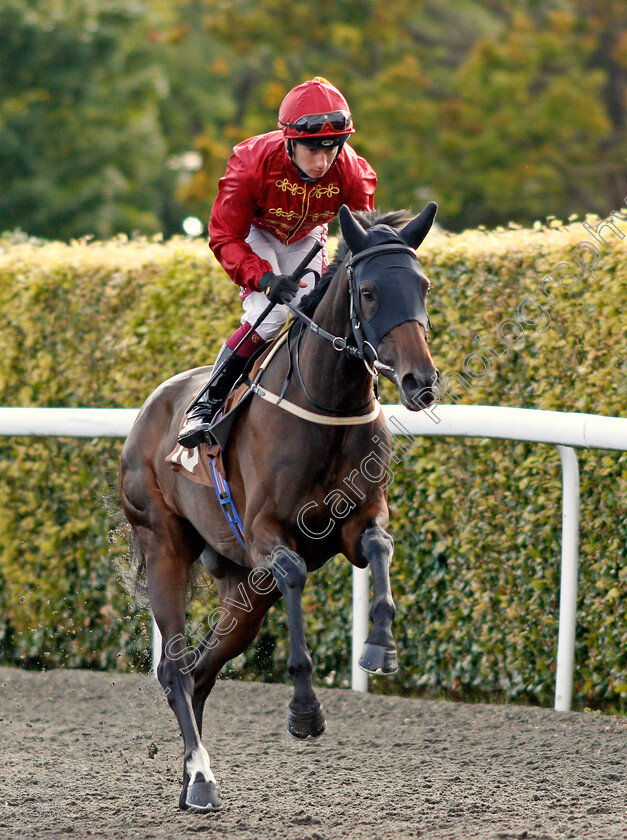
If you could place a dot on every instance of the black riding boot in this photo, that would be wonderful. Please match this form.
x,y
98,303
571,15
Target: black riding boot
x,y
227,368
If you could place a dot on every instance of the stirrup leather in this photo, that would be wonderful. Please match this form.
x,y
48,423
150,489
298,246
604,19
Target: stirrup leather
x,y
226,371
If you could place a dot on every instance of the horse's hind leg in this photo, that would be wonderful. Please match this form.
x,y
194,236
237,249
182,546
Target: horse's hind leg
x,y
170,547
305,717
245,596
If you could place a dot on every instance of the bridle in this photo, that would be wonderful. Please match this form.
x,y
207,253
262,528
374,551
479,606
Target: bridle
x,y
366,334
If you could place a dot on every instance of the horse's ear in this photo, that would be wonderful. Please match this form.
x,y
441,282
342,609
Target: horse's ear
x,y
418,228
354,234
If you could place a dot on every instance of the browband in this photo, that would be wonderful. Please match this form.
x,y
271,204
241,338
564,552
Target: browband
x,y
378,249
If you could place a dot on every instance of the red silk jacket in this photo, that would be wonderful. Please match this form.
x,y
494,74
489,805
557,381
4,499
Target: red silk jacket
x,y
262,187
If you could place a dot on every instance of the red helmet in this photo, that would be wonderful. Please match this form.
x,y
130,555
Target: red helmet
x,y
315,109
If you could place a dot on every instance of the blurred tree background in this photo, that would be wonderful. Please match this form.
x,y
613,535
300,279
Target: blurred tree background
x,y
119,115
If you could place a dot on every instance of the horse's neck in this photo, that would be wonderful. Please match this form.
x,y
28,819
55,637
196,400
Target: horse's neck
x,y
334,378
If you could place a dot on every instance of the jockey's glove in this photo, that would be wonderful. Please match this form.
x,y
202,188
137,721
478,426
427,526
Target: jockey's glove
x,y
279,288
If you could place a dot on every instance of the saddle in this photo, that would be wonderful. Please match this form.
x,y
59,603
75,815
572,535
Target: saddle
x,y
221,428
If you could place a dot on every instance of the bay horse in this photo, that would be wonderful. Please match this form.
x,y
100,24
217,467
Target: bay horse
x,y
309,482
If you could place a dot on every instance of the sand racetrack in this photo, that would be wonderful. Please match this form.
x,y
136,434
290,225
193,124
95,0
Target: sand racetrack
x,y
87,754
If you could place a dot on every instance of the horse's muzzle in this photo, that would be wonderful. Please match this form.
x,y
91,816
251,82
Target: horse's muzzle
x,y
418,392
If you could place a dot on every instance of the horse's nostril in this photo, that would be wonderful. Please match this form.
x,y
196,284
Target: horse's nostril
x,y
409,383
412,384
423,398
418,393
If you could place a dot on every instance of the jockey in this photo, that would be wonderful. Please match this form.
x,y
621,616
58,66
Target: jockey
x,y
278,194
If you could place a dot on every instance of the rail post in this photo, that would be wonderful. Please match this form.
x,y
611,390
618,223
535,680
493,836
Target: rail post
x,y
361,593
568,579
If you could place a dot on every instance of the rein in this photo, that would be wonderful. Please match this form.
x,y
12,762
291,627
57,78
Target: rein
x,y
303,413
304,387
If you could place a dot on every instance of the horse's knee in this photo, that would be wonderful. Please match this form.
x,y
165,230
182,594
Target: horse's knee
x,y
376,542
289,569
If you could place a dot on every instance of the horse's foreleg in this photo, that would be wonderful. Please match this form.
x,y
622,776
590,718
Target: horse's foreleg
x,y
305,717
375,546
379,653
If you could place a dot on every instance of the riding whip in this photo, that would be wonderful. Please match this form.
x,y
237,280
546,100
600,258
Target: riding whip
x,y
295,275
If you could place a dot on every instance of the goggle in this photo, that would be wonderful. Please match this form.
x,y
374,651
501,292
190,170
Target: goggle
x,y
316,123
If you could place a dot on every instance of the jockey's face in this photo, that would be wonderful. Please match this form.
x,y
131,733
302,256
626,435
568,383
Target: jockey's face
x,y
314,162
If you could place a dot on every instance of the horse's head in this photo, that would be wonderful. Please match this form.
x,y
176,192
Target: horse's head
x,y
388,311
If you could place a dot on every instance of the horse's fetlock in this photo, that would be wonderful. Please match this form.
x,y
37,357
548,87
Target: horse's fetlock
x,y
300,667
303,667
383,618
384,607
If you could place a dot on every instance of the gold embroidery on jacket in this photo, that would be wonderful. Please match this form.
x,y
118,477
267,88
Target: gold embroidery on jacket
x,y
288,186
278,229
317,191
284,214
303,215
328,192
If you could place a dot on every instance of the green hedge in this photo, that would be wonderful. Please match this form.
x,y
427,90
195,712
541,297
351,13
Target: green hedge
x,y
477,523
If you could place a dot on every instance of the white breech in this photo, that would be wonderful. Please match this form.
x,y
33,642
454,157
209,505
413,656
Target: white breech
x,y
283,259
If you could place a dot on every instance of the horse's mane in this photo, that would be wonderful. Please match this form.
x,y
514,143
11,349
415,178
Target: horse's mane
x,y
367,218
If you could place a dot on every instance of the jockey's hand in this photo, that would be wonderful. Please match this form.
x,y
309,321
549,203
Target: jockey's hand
x,y
279,288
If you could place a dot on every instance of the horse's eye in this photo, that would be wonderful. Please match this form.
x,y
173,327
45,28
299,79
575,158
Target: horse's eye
x,y
367,294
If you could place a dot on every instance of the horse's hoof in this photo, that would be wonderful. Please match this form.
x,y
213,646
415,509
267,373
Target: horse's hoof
x,y
306,725
201,797
376,659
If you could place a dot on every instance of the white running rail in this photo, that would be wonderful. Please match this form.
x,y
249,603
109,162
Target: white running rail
x,y
565,430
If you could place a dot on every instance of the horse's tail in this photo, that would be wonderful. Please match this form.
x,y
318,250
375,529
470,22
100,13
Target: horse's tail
x,y
132,564
137,569
132,568
129,559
